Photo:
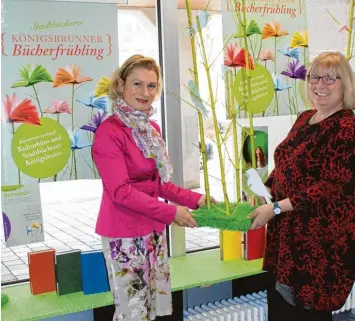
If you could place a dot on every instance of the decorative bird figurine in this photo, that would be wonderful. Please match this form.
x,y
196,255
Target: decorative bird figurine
x,y
256,185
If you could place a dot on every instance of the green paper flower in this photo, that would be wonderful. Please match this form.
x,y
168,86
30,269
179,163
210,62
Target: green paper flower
x,y
31,75
252,29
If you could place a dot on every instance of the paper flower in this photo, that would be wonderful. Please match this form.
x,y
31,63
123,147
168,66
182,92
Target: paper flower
x,y
266,54
273,30
343,27
102,87
31,75
69,75
299,39
96,121
252,29
96,102
291,52
278,85
196,98
234,56
78,139
296,70
58,107
20,111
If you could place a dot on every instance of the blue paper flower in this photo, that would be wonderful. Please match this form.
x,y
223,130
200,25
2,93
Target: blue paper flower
x,y
278,85
96,102
291,52
78,139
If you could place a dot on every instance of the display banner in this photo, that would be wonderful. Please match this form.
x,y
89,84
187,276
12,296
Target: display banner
x,y
54,54
276,38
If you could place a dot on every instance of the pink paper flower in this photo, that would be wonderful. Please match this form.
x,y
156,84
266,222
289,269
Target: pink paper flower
x,y
266,54
58,107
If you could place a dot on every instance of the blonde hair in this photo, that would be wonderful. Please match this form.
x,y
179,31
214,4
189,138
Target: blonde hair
x,y
336,64
132,63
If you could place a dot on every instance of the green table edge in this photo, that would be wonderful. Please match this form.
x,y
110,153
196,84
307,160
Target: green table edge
x,y
193,270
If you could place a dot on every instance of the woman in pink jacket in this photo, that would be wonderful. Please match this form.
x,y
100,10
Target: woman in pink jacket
x,y
131,157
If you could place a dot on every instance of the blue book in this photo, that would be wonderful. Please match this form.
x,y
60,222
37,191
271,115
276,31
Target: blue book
x,y
93,272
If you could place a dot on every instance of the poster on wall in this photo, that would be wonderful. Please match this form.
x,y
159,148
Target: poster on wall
x,y
276,38
53,62
22,214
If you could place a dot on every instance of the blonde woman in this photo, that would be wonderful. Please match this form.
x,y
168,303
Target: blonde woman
x,y
311,227
131,157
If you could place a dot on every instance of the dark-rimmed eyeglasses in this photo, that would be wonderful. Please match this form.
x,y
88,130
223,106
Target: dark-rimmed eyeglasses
x,y
327,80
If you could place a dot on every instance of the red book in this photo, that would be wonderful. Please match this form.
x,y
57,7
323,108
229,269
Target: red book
x,y
42,271
254,244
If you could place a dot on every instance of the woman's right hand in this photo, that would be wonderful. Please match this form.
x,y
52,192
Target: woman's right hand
x,y
183,217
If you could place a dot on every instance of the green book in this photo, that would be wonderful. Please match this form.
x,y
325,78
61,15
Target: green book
x,y
68,272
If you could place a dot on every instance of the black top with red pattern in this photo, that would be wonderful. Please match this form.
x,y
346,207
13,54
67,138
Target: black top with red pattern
x,y
312,248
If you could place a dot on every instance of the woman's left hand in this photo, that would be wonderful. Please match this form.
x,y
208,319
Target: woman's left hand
x,y
203,201
261,216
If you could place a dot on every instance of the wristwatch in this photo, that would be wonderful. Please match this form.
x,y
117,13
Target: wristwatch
x,y
277,209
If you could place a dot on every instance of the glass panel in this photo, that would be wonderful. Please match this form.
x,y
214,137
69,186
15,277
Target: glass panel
x,y
70,208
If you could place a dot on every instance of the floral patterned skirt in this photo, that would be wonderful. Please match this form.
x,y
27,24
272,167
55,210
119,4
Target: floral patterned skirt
x,y
139,276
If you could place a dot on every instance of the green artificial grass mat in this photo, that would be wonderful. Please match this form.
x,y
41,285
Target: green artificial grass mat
x,y
215,217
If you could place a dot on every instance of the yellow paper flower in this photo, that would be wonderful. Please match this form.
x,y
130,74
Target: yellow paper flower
x,y
102,87
299,39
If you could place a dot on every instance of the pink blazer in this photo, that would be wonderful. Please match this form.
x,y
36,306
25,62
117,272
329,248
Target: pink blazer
x,y
131,186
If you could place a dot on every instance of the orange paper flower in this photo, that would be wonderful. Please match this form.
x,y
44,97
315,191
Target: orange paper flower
x,y
20,111
69,75
273,30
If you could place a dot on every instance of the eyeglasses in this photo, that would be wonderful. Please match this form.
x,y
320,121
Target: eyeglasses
x,y
327,80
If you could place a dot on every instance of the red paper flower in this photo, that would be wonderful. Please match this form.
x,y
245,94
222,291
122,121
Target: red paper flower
x,y
20,111
234,56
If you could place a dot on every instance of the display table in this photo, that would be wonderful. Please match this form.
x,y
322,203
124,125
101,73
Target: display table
x,y
194,270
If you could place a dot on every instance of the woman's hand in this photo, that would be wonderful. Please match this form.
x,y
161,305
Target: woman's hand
x,y
203,201
183,217
261,215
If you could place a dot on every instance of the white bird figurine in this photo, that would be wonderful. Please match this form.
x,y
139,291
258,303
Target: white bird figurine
x,y
256,185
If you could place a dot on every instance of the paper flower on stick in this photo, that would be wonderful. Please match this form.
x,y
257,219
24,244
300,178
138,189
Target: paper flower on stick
x,y
102,87
31,75
20,111
96,102
58,107
266,54
278,85
69,75
234,56
296,70
96,121
78,139
299,39
252,29
273,29
291,52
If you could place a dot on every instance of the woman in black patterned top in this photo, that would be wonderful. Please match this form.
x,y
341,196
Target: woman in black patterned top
x,y
311,228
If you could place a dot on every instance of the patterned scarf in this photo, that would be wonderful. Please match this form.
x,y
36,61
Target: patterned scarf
x,y
147,138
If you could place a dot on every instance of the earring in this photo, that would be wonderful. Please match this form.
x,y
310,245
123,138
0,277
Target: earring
x,y
120,95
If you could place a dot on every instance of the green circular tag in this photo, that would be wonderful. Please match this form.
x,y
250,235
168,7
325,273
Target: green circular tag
x,y
41,151
262,89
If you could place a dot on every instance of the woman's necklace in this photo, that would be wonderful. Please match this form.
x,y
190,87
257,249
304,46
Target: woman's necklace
x,y
314,119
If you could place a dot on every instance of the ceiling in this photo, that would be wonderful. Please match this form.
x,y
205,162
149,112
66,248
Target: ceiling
x,y
213,5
